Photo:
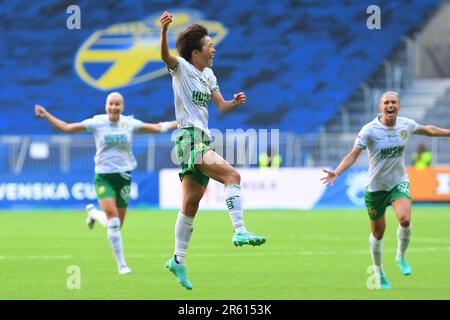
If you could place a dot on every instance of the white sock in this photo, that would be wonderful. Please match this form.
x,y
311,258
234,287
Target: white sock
x,y
99,216
376,251
233,201
403,235
183,232
115,240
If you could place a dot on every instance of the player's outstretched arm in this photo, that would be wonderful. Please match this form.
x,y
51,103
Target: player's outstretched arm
x,y
346,163
160,127
57,123
227,105
433,131
170,60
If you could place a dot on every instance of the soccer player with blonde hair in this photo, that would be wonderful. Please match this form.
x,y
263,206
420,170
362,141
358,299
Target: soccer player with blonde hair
x,y
114,161
385,138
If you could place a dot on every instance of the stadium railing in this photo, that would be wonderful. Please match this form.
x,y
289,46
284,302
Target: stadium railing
x,y
75,154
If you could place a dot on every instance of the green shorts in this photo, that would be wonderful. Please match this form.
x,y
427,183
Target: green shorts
x,y
190,146
113,185
378,201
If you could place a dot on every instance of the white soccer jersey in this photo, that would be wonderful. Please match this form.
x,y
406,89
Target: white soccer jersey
x,y
192,91
113,142
386,146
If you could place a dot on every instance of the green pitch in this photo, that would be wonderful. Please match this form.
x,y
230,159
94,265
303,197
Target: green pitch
x,y
308,255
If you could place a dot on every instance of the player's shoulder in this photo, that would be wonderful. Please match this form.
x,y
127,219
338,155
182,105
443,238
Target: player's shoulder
x,y
96,122
100,117
208,72
184,63
181,59
405,120
369,125
128,118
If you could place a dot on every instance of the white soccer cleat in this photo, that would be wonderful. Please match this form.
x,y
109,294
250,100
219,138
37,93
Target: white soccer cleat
x,y
89,220
124,270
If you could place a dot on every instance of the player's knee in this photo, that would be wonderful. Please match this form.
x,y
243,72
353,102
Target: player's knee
x,y
193,199
234,177
378,233
404,222
190,209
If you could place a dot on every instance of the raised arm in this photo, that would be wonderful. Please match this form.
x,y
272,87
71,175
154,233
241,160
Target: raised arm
x,y
227,105
170,60
158,127
432,131
57,123
346,163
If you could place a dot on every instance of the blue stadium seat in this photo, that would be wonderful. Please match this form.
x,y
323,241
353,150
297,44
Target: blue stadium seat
x,y
298,62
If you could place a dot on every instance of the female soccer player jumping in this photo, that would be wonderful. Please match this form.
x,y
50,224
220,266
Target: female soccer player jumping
x,y
194,85
114,161
385,137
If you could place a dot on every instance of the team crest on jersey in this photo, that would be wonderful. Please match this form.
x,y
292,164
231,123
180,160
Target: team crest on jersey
x,y
128,53
101,190
404,134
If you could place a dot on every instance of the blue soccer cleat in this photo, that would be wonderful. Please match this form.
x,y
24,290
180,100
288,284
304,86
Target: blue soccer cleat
x,y
180,272
384,282
241,238
405,268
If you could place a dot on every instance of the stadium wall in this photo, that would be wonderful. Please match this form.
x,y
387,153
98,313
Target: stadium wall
x,y
285,188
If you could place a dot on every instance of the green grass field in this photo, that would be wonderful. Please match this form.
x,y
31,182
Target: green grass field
x,y
309,255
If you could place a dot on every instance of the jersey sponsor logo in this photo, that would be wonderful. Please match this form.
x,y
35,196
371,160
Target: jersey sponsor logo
x,y
128,53
395,152
404,134
115,139
201,99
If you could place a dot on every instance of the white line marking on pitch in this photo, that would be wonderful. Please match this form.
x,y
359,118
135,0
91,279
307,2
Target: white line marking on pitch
x,y
229,254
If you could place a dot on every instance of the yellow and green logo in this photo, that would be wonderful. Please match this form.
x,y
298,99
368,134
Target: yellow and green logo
x,y
128,53
404,134
101,190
